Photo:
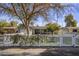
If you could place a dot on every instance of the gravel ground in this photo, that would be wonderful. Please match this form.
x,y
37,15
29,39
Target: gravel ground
x,y
39,51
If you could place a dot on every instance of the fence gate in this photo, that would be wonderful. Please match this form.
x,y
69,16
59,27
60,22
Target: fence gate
x,y
76,40
69,41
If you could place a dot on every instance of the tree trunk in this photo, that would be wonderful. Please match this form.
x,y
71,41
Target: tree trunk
x,y
27,30
26,33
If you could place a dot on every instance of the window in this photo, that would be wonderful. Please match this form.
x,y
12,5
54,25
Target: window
x,y
37,31
74,30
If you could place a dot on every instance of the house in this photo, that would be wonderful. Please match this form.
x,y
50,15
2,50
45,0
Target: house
x,y
69,30
43,30
63,30
35,30
7,30
39,30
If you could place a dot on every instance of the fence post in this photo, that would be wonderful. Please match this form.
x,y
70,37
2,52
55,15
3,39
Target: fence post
x,y
4,42
73,41
61,41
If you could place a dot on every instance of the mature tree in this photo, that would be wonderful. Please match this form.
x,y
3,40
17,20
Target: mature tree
x,y
53,27
70,21
27,12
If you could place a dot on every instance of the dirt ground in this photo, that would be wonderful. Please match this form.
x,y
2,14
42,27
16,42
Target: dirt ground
x,y
70,51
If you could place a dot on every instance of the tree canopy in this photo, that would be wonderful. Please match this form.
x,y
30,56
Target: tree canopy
x,y
70,21
8,24
53,27
4,24
5,27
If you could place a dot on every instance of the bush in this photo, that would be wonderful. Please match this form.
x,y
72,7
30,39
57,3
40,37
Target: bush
x,y
24,40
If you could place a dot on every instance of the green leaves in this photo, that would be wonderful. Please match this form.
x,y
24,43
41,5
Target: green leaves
x,y
4,24
13,24
8,24
31,40
70,22
5,27
53,27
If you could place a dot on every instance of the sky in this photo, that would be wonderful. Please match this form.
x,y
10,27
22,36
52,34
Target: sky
x,y
40,20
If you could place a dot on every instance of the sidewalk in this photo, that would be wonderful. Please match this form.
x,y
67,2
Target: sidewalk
x,y
18,51
40,52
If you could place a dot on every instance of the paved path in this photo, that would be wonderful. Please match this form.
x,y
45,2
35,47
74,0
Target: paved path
x,y
18,51
40,52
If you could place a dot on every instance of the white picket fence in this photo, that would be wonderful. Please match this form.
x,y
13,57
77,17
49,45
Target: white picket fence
x,y
53,40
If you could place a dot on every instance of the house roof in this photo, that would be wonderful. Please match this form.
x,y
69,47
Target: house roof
x,y
44,27
70,28
39,27
8,27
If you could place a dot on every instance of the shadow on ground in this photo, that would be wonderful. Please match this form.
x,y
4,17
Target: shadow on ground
x,y
61,52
